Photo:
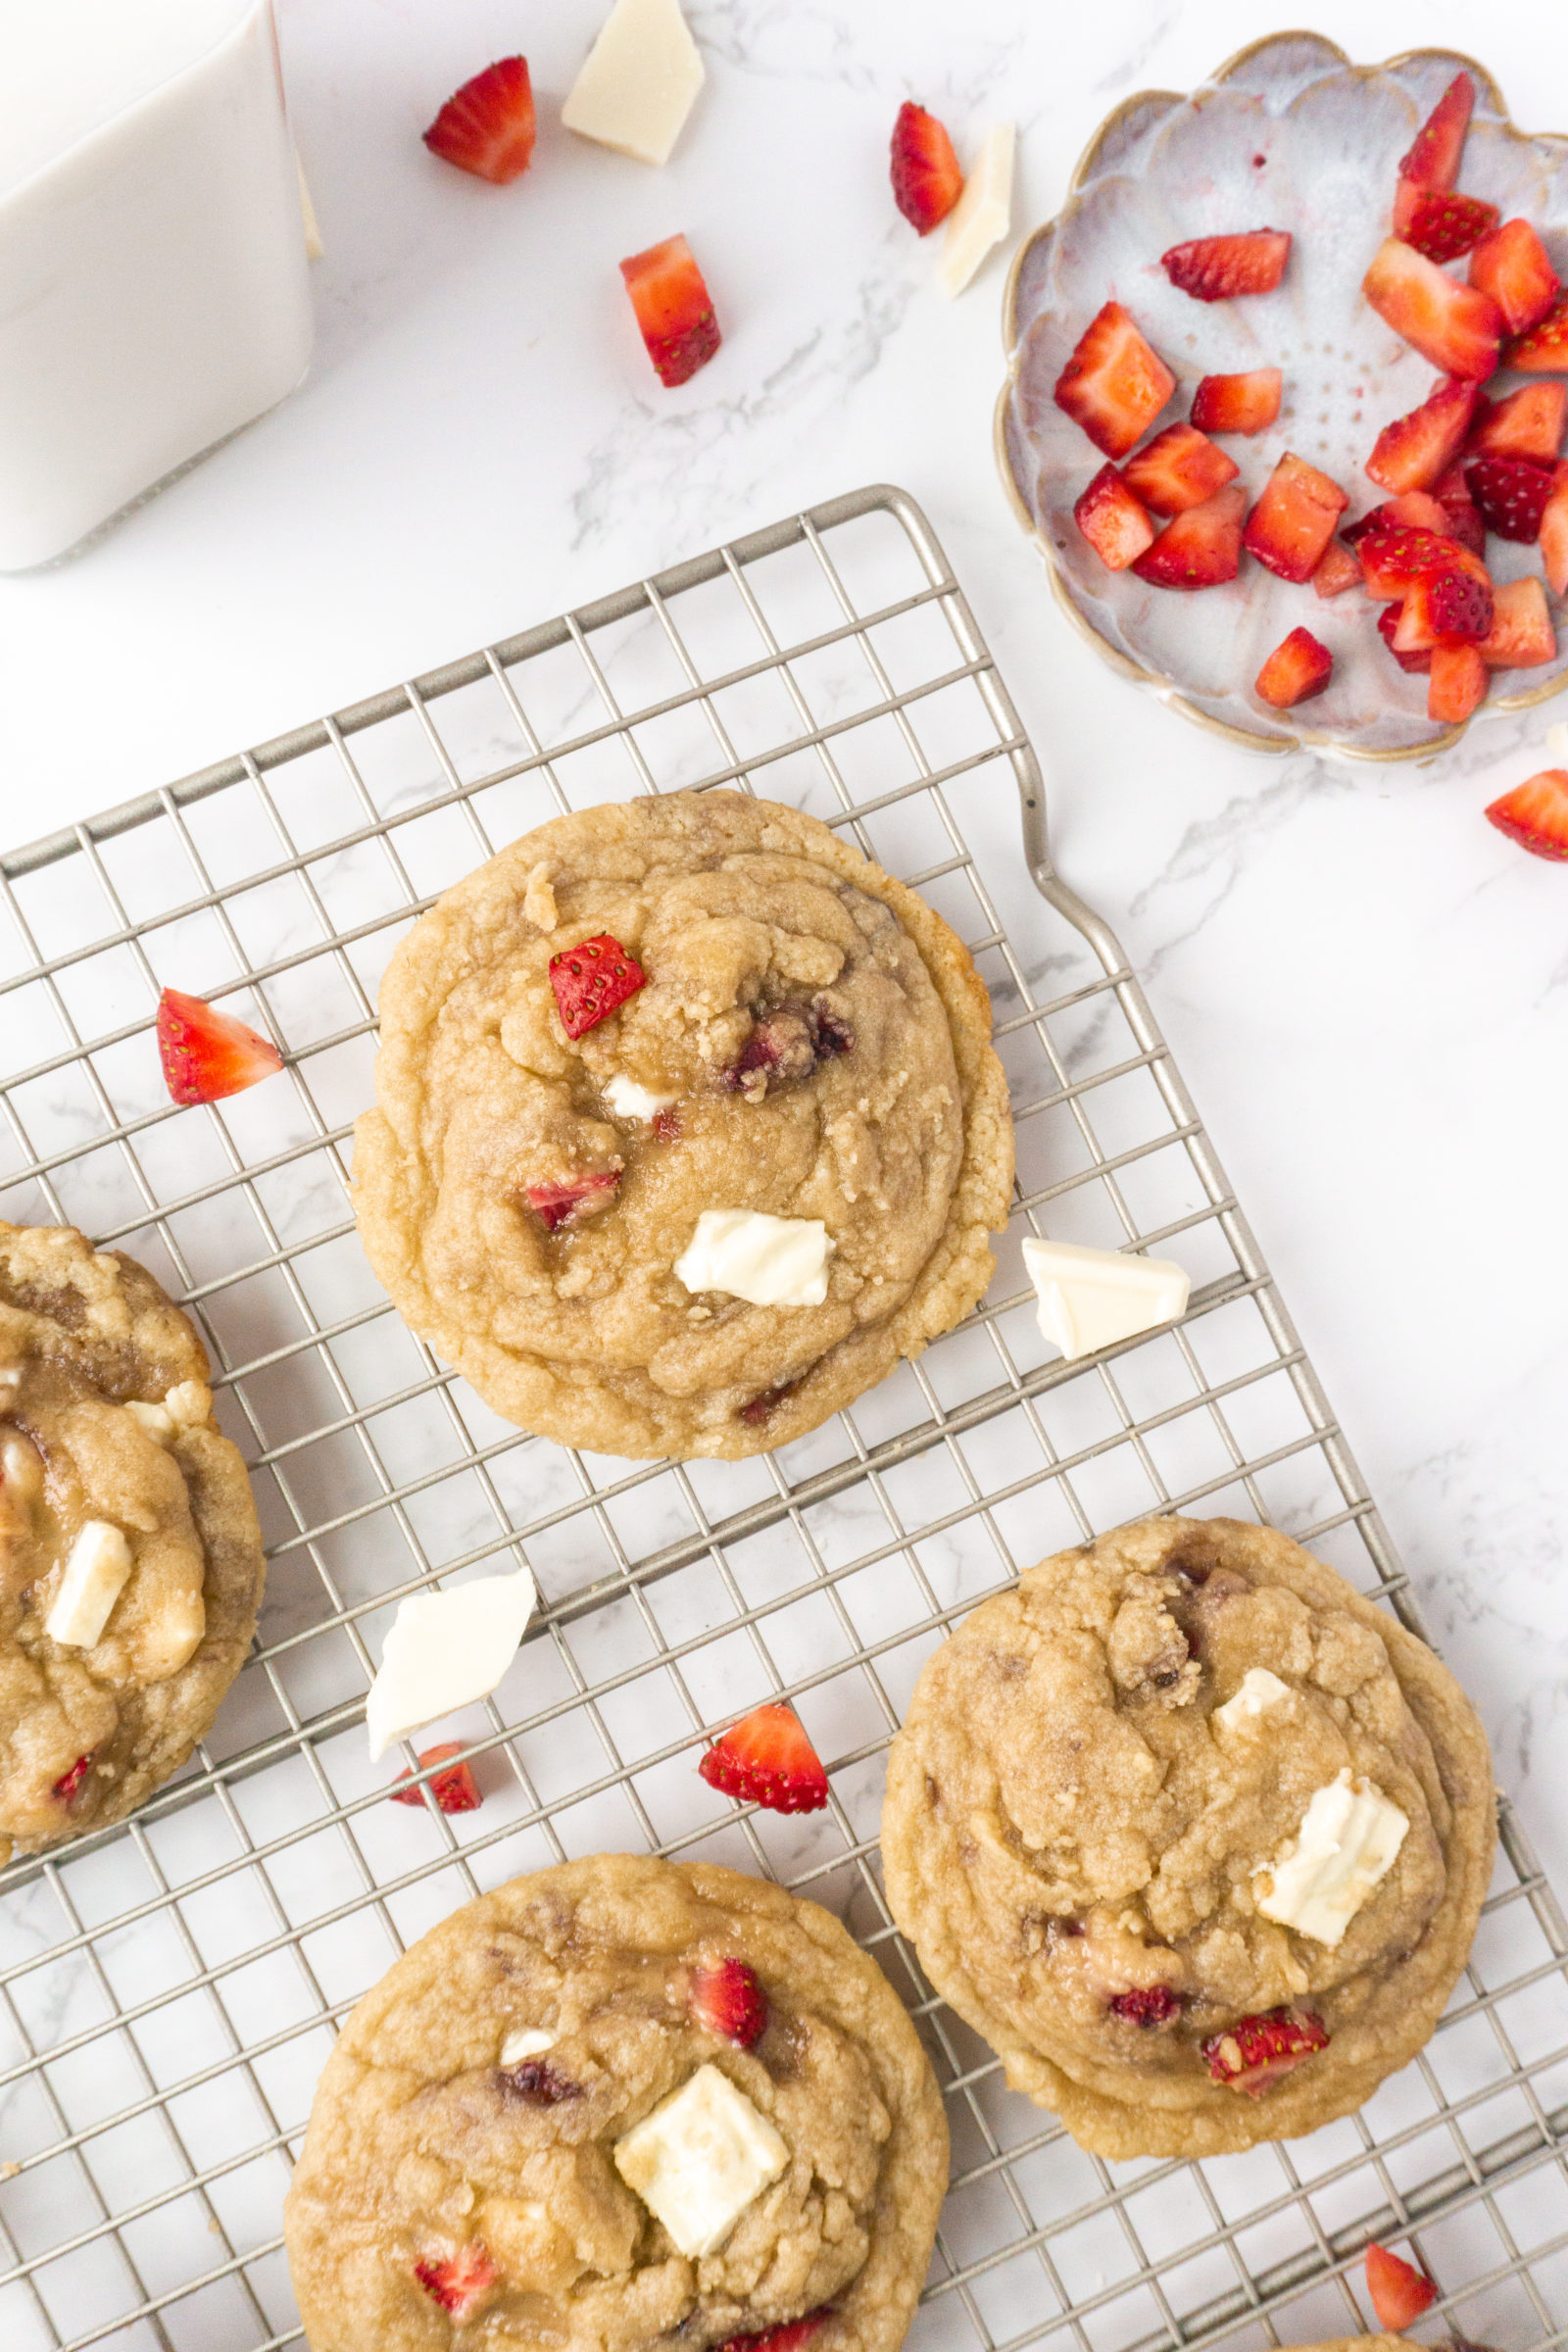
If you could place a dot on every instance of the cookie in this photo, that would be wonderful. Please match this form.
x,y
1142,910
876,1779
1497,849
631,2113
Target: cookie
x,y
804,1041
1192,1835
130,1557
618,2100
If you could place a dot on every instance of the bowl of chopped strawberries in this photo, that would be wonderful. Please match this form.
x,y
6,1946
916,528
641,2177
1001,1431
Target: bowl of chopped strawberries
x,y
1286,399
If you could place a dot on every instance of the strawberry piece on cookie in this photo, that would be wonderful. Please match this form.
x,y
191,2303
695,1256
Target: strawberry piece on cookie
x,y
591,980
487,127
730,2003
790,2337
1257,2050
460,2281
1115,384
1214,268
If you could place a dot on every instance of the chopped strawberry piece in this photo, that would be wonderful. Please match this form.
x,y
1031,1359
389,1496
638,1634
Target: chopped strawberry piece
x,y
1544,350
591,980
1145,2005
1391,559
1554,534
1238,404
1413,451
674,310
759,1408
1511,493
1528,423
1439,605
460,2281
1535,813
557,1205
1521,636
1461,518
1338,569
926,181
1115,384
786,2339
767,1759
1179,468
1257,2050
1202,547
1512,266
1111,519
729,2003
1399,2293
1388,631
1443,226
1213,268
1458,682
536,2083
65,1789
1299,667
1457,327
456,1790
1295,519
487,127
1433,161
667,1126
1412,511
208,1055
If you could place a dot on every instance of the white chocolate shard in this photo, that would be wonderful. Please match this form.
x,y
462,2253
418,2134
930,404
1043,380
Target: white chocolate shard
x,y
97,1572
1257,1690
771,1261
983,214
638,81
443,1650
1347,1840
1090,1298
700,2158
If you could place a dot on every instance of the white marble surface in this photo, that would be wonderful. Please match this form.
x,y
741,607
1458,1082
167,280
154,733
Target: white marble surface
x,y
1368,988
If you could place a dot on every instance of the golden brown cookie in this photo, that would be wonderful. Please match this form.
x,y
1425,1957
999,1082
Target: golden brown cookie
x,y
811,1043
476,2131
131,1558
1194,1835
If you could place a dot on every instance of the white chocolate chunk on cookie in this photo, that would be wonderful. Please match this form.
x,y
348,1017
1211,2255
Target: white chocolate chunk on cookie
x,y
700,2158
97,1572
769,1262
1258,1691
1348,1842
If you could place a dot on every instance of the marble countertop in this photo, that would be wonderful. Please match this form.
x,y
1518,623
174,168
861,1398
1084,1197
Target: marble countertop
x,y
1366,986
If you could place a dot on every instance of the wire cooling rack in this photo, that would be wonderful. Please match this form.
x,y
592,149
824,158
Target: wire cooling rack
x,y
168,1989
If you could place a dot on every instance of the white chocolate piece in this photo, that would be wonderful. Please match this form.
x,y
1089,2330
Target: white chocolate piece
x,y
97,1572
630,1101
529,2042
638,81
1258,1688
315,250
700,2158
444,1650
1346,1842
771,1261
1558,740
1090,1298
983,214
188,1403
155,1420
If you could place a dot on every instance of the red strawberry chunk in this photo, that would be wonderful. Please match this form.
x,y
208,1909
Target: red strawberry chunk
x,y
1412,511
1145,2005
1461,518
1521,636
208,1055
1400,2292
674,310
1338,569
557,1205
926,181
1391,559
1443,226
1111,519
1387,629
1544,350
1528,423
1511,493
536,2083
1238,404
487,127
729,2003
1512,266
1115,384
1458,682
1201,548
1459,329
1257,2050
456,1790
591,980
1180,468
1535,813
1433,161
1299,667
459,2282
65,1789
1412,452
1295,519
1442,606
1554,534
767,1760
786,2339
1213,268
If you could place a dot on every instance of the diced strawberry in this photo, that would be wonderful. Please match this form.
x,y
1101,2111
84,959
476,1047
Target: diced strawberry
x,y
208,1055
1299,667
1145,2005
1202,547
591,979
1412,511
1114,385
1527,423
1257,2050
927,180
459,2282
1179,468
674,310
1391,559
1511,493
1213,268
1512,266
1461,516
537,2084
767,1759
1433,161
759,1408
1458,684
1388,631
1521,636
1554,534
667,1126
1295,519
1442,605
456,1790
1535,813
487,127
65,1787
557,1205
1238,404
1413,451
729,2003
1111,519
1338,569
1399,2293
1443,227
1544,350
789,2337
1459,329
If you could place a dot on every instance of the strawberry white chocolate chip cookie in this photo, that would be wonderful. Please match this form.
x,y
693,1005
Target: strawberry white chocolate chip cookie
x,y
616,2102
1194,1835
130,1560
688,1127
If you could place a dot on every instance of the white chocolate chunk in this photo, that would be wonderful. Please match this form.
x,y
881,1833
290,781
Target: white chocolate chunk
x,y
96,1574
638,81
983,214
529,2042
1558,740
630,1101
315,250
444,1650
1090,1298
10,1383
1259,1689
157,1422
1346,1842
700,2158
21,1468
771,1261
188,1403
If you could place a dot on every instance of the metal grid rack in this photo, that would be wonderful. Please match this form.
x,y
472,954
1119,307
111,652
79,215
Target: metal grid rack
x,y
168,1989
